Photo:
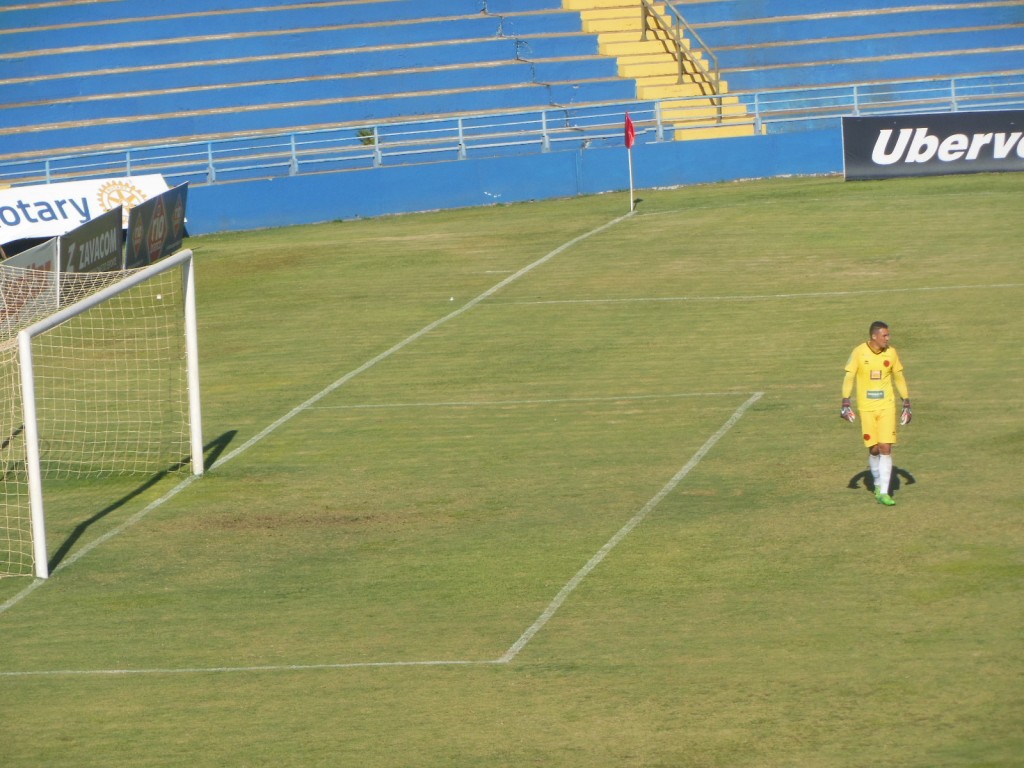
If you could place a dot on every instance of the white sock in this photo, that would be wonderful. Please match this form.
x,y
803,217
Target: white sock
x,y
873,466
884,472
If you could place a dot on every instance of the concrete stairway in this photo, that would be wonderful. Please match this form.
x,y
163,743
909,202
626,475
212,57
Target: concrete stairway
x,y
691,107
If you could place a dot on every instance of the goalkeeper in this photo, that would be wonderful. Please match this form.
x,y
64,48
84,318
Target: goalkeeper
x,y
876,370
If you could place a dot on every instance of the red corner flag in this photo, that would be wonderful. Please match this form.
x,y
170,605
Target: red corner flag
x,y
630,140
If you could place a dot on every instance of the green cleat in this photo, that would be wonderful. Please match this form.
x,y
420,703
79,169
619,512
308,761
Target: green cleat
x,y
886,499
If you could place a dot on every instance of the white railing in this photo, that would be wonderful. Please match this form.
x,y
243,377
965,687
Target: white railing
x,y
678,30
367,146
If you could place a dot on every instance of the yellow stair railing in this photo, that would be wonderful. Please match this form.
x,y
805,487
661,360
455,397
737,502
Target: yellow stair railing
x,y
656,47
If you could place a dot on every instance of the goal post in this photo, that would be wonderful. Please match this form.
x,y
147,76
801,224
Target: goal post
x,y
109,385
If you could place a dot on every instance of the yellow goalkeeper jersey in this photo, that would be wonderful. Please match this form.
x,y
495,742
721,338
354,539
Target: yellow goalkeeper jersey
x,y
878,377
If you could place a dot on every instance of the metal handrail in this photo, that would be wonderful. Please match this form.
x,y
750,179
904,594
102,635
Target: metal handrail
x,y
485,134
683,53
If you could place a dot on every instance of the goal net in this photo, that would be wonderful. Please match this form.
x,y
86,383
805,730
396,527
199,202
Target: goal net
x,y
106,383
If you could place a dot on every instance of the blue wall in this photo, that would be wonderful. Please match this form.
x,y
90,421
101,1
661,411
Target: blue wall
x,y
311,198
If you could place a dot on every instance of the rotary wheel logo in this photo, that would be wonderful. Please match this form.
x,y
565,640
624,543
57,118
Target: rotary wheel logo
x,y
121,192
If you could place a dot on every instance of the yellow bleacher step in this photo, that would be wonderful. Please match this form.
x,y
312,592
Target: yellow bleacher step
x,y
655,68
640,71
725,100
723,131
620,35
621,8
647,58
624,14
612,25
701,112
613,20
672,79
581,5
627,48
673,91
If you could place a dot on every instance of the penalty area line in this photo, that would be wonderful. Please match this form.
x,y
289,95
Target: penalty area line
x,y
229,670
506,658
761,297
541,401
299,409
623,532
410,339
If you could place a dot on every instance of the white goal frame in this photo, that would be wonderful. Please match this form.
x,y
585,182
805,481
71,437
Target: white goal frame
x,y
183,259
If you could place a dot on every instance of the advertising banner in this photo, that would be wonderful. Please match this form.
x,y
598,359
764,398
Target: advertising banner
x,y
933,145
96,246
43,257
156,228
49,210
28,287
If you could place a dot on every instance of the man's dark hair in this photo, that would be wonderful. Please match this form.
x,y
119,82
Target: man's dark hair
x,y
876,326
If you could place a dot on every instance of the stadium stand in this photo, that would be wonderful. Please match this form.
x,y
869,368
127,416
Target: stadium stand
x,y
79,77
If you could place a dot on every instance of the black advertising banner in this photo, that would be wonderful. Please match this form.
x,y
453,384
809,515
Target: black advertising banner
x,y
156,227
933,145
95,246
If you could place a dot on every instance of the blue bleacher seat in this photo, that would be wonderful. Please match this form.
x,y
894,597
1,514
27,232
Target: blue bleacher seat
x,y
112,76
758,31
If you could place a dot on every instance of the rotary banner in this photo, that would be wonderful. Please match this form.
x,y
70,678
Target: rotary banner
x,y
48,210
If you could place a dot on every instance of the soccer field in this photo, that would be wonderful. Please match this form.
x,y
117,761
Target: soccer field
x,y
549,484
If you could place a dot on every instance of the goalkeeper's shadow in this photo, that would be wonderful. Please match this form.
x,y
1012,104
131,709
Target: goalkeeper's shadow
x,y
211,452
899,478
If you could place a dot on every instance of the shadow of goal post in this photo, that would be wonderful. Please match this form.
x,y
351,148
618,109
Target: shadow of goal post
x,y
26,337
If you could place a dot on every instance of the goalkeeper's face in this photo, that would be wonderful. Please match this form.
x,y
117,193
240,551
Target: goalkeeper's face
x,y
881,339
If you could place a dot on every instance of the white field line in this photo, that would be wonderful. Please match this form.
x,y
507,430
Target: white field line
x,y
507,657
504,403
766,296
407,341
623,532
89,547
297,410
221,670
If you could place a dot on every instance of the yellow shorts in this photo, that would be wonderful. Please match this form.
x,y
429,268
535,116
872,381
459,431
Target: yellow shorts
x,y
878,426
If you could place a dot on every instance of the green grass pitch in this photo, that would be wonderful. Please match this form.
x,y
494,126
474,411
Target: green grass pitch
x,y
412,466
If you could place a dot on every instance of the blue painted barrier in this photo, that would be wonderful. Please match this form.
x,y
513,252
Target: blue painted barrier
x,y
359,194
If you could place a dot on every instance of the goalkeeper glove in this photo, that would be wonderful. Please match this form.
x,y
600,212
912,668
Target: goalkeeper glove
x,y
846,412
906,415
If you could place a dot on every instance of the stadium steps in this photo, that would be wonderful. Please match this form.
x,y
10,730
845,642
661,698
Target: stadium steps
x,y
690,106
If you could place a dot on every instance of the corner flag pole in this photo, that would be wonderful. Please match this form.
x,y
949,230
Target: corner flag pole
x,y
630,140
